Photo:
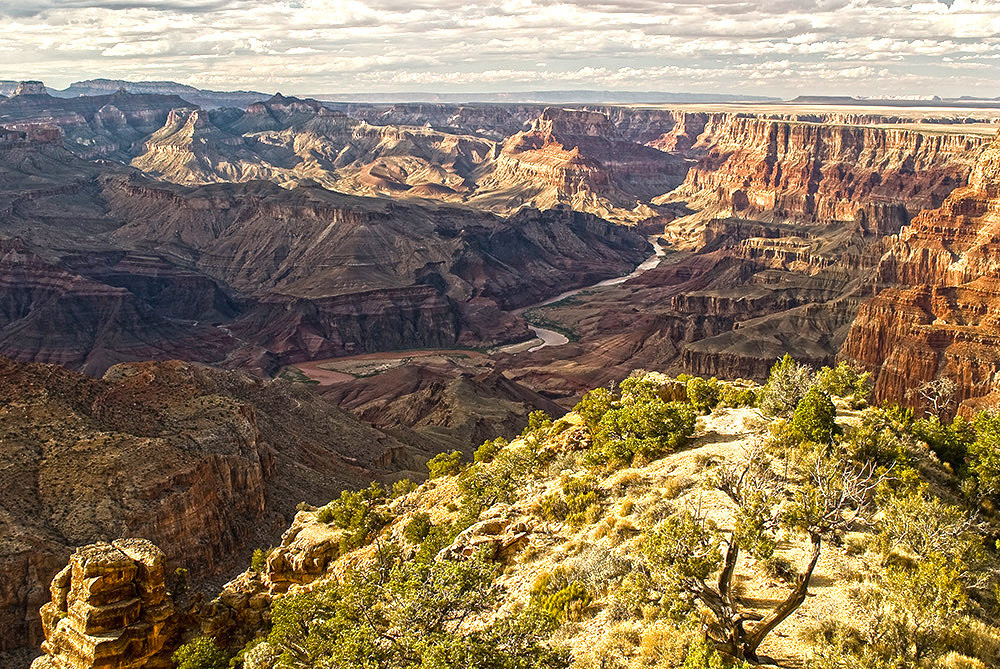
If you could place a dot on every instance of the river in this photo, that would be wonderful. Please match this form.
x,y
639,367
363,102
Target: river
x,y
553,338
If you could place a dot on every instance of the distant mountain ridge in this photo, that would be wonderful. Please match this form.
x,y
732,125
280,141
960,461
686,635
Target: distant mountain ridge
x,y
211,98
196,96
208,99
546,97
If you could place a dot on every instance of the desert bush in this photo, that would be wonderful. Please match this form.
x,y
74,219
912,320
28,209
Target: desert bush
x,y
613,650
201,653
949,441
554,594
402,487
815,417
737,395
703,393
552,507
258,561
418,528
538,422
580,493
489,449
403,614
915,606
882,436
984,453
445,464
594,405
639,425
778,567
845,381
786,385
358,514
486,483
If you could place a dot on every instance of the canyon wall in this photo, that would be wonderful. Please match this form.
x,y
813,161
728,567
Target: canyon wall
x,y
579,158
784,271
762,169
933,314
204,462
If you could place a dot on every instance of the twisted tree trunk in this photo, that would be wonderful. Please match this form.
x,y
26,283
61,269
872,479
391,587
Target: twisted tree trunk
x,y
787,607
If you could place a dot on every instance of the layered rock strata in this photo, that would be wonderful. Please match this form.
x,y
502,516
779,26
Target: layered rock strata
x,y
937,287
110,608
205,462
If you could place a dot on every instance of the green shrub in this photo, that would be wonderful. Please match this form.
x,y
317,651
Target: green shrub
x,y
639,425
881,436
558,597
582,501
703,655
538,421
409,613
489,449
737,395
815,417
950,442
201,653
594,405
445,464
486,483
553,507
402,487
418,528
703,394
358,514
845,381
984,453
787,384
258,561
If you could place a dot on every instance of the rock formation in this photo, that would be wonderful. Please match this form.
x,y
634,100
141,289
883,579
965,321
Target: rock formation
x,y
578,158
290,140
110,608
781,272
444,406
761,169
206,463
933,314
99,126
104,266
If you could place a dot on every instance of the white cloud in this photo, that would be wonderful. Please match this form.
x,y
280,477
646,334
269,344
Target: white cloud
x,y
316,46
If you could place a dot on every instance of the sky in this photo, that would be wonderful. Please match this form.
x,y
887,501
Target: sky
x,y
773,47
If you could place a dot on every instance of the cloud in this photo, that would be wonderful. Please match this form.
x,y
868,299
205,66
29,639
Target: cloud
x,y
315,46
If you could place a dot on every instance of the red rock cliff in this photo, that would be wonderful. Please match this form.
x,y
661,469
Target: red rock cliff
x,y
756,168
936,313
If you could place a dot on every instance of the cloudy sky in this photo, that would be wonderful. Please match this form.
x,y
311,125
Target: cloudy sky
x,y
768,47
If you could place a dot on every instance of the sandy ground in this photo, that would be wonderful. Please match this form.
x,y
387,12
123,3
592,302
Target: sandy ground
x,y
330,371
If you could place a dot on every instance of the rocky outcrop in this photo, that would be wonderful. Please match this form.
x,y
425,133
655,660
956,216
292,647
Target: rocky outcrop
x,y
110,608
30,88
578,158
501,535
762,169
937,289
290,140
100,126
51,314
204,462
441,406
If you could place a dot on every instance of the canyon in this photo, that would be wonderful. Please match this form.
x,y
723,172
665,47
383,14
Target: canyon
x,y
162,261
935,292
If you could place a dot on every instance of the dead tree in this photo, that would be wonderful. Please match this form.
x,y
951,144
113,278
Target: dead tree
x,y
688,550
